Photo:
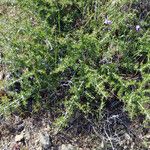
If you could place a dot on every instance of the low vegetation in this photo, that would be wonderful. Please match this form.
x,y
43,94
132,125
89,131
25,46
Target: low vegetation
x,y
71,56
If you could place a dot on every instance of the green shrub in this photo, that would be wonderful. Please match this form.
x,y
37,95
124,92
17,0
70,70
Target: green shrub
x,y
90,50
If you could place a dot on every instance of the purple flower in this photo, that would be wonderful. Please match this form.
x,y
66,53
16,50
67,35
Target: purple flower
x,y
108,22
137,27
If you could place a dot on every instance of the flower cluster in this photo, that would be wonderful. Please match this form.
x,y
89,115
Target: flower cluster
x,y
109,22
137,27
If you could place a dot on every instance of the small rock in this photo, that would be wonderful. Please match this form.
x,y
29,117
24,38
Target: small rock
x,y
127,136
45,141
37,141
27,136
67,147
148,136
102,144
125,147
18,122
19,137
20,127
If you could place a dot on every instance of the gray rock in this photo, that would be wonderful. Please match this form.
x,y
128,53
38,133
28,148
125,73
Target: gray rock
x,y
45,141
67,147
19,122
19,137
27,136
20,127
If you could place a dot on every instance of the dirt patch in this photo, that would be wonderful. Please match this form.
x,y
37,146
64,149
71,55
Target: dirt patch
x,y
111,130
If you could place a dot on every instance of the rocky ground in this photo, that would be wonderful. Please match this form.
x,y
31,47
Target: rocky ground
x,y
36,132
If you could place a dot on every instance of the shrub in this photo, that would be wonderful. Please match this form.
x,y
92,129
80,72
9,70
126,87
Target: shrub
x,y
83,53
